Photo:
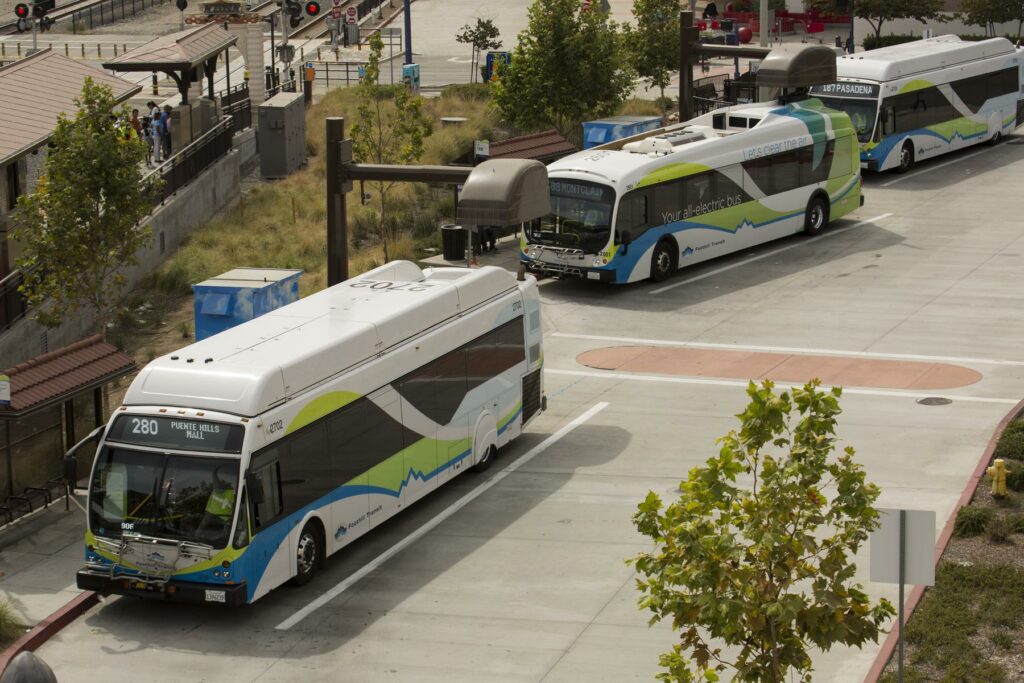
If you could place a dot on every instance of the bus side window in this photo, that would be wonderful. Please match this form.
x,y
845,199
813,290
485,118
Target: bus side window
x,y
700,190
267,471
888,116
633,215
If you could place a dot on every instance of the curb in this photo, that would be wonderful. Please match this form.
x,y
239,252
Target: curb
x,y
49,627
917,592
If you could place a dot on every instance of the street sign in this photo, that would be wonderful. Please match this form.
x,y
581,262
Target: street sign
x,y
5,390
918,548
352,14
482,148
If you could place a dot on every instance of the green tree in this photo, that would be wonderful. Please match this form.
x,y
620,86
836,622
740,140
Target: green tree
x,y
81,227
390,127
988,13
653,46
482,36
877,12
569,65
763,566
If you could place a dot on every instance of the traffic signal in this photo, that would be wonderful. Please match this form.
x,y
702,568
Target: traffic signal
x,y
41,7
21,10
182,5
293,8
312,8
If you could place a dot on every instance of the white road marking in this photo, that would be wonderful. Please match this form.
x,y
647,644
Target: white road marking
x,y
929,169
789,349
743,383
442,516
744,262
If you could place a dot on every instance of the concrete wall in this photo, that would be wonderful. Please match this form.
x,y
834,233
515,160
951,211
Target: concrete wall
x,y
215,190
245,143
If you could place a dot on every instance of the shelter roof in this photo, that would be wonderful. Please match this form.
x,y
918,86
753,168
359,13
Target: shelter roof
x,y
175,51
545,146
57,376
37,90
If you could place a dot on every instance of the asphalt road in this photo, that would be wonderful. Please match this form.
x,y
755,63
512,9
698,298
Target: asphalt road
x,y
527,581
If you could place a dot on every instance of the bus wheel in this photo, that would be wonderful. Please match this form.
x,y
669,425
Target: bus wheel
x,y
663,262
906,158
308,555
486,461
995,139
816,217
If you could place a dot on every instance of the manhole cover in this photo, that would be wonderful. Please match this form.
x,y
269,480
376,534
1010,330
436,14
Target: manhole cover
x,y
935,401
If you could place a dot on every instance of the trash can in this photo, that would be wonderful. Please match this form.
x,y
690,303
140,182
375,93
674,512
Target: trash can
x,y
732,38
726,25
453,242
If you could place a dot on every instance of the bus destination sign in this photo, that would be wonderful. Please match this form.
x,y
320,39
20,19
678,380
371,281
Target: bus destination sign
x,y
847,89
177,434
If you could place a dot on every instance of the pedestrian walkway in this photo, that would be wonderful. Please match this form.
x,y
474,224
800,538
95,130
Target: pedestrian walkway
x,y
39,555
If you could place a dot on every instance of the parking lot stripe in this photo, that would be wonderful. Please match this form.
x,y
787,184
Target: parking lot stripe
x,y
800,243
856,391
437,519
929,169
788,349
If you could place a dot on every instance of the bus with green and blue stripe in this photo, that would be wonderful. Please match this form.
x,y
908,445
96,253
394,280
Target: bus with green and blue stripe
x,y
242,461
918,100
643,207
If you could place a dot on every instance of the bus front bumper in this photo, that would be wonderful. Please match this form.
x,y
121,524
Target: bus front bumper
x,y
567,270
172,591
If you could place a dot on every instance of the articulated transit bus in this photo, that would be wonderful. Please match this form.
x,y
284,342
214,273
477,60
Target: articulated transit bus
x,y
644,206
924,98
242,461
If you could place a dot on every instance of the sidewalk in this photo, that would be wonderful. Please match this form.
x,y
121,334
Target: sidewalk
x,y
39,555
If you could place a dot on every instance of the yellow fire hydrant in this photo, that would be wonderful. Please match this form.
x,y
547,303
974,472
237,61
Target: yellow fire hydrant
x,y
998,473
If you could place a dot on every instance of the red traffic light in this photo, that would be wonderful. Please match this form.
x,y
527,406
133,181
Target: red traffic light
x,y
21,10
312,8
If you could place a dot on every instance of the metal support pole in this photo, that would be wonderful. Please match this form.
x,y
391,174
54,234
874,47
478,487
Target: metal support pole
x,y
337,220
7,452
408,32
903,547
35,27
851,48
285,21
762,21
686,29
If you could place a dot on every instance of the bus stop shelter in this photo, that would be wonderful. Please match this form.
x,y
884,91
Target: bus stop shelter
x,y
55,400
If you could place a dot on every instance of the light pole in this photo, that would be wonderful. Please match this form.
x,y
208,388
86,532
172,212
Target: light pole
x,y
850,48
407,11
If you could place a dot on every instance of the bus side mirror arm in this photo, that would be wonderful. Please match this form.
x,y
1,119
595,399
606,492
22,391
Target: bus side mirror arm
x,y
625,239
71,457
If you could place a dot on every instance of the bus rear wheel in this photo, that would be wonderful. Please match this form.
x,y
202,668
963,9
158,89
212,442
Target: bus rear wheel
x,y
906,158
663,261
308,555
816,216
485,461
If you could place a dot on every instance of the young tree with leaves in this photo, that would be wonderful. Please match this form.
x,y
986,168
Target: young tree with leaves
x,y
390,127
569,65
653,46
763,566
482,36
81,227
877,12
988,13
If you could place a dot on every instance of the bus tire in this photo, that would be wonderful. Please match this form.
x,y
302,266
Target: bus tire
x,y
663,261
816,216
485,462
309,553
906,157
996,138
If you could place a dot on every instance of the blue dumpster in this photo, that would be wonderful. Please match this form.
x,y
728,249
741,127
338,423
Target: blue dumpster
x,y
615,128
240,295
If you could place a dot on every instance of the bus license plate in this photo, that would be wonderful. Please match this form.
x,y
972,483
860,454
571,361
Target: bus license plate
x,y
593,276
214,596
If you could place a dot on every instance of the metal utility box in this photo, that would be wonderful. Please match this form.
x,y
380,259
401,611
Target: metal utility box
x,y
615,128
240,295
282,134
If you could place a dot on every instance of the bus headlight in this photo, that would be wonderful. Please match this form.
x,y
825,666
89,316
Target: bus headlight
x,y
600,261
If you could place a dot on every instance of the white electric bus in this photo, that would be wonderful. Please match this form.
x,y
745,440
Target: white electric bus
x,y
644,206
917,100
244,460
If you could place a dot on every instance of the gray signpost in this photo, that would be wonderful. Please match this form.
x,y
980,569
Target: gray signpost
x,y
902,552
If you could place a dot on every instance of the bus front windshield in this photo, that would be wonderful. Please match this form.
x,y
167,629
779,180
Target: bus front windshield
x,y
862,113
580,218
166,495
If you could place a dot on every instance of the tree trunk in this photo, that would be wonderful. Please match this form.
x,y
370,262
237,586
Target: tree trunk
x,y
472,65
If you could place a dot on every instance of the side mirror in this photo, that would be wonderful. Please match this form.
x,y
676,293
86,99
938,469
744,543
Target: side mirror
x,y
255,489
626,237
71,457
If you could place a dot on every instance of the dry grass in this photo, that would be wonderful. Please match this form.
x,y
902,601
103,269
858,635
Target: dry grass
x,y
10,628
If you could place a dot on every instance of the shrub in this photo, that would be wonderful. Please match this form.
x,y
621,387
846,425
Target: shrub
x,y
971,521
1011,442
1017,521
999,529
10,629
480,92
872,43
1015,478
1002,640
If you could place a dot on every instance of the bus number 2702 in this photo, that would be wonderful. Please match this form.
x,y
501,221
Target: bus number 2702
x,y
390,286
